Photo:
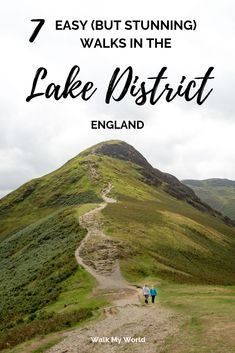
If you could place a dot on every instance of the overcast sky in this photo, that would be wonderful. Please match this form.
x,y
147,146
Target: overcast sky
x,y
184,139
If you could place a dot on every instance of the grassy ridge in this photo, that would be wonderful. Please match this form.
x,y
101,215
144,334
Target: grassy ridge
x,y
164,236
39,232
70,185
170,245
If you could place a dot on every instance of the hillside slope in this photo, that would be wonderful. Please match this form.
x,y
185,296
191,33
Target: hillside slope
x,y
218,193
163,229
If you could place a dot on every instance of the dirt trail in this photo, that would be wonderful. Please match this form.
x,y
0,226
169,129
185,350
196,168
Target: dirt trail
x,y
98,253
126,317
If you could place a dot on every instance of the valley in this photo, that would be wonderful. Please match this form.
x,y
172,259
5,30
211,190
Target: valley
x,y
218,193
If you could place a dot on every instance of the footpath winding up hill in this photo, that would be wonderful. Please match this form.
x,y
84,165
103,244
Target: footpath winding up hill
x,y
127,223
126,317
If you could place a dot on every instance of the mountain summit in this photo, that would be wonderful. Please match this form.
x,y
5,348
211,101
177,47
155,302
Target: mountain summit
x,y
180,190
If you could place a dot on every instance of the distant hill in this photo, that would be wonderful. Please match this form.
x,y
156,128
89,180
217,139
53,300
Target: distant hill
x,y
218,193
163,227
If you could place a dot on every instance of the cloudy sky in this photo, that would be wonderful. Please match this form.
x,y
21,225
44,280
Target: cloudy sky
x,y
184,139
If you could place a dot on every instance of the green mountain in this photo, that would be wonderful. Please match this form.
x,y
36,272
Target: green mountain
x,y
218,193
163,228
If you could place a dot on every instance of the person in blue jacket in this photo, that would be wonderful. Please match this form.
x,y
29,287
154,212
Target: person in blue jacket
x,y
153,293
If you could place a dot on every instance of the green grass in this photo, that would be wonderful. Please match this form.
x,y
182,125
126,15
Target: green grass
x,y
42,326
208,318
70,185
76,293
46,346
171,241
74,305
36,345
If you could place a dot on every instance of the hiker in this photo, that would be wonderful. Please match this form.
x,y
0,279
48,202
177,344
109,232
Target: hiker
x,y
146,293
153,293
